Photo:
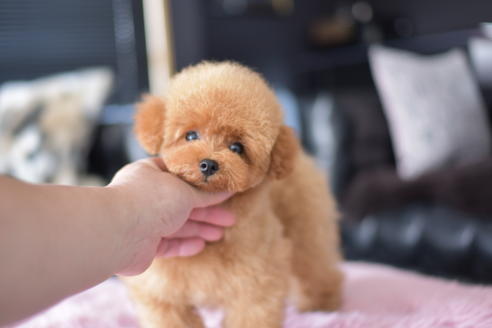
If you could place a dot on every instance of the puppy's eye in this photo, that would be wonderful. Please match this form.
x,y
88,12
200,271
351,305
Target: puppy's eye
x,y
237,147
191,135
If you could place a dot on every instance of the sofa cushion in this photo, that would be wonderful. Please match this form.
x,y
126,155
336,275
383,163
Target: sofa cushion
x,y
46,124
434,109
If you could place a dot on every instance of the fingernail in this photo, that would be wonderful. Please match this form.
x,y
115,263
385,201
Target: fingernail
x,y
213,234
191,248
230,220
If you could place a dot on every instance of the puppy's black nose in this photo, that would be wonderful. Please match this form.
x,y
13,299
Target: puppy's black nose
x,y
208,167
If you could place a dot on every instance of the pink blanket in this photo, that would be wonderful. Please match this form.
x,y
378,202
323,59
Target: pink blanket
x,y
375,296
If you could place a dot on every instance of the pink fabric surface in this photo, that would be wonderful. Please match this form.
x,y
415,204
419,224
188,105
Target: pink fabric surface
x,y
374,296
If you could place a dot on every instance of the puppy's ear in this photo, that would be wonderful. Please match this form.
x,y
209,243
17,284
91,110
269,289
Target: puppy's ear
x,y
149,123
285,150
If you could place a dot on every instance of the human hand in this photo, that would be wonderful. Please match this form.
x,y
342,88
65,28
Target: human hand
x,y
166,216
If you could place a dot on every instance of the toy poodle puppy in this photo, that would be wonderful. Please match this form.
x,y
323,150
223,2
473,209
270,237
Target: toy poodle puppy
x,y
220,129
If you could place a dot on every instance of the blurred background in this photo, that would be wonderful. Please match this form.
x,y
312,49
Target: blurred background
x,y
392,97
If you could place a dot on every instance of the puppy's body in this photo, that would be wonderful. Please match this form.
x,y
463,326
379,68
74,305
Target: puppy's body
x,y
245,274
284,242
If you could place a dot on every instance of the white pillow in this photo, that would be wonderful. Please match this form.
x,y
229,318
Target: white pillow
x,y
434,110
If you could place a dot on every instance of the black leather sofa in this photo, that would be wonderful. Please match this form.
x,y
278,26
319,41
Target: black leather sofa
x,y
439,224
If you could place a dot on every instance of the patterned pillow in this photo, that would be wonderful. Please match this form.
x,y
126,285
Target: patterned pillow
x,y
434,110
45,124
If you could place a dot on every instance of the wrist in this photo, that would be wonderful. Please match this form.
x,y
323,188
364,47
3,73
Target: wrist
x,y
137,238
123,219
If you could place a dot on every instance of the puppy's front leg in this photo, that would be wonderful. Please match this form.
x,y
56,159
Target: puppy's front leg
x,y
155,314
255,307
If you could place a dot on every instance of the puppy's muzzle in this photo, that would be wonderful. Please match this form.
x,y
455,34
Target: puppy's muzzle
x,y
208,167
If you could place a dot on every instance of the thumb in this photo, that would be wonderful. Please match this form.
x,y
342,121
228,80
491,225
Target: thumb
x,y
205,199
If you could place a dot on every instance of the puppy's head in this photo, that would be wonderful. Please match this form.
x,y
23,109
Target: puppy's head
x,y
219,128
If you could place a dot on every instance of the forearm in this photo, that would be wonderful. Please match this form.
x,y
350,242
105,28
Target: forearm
x,y
55,241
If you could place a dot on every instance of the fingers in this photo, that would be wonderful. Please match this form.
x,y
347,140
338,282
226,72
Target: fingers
x,y
205,224
198,197
196,229
213,215
180,247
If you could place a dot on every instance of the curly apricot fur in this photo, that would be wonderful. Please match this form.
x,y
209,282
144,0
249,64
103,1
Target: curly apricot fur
x,y
285,241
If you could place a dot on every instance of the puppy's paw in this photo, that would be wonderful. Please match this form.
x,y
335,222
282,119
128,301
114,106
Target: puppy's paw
x,y
328,301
